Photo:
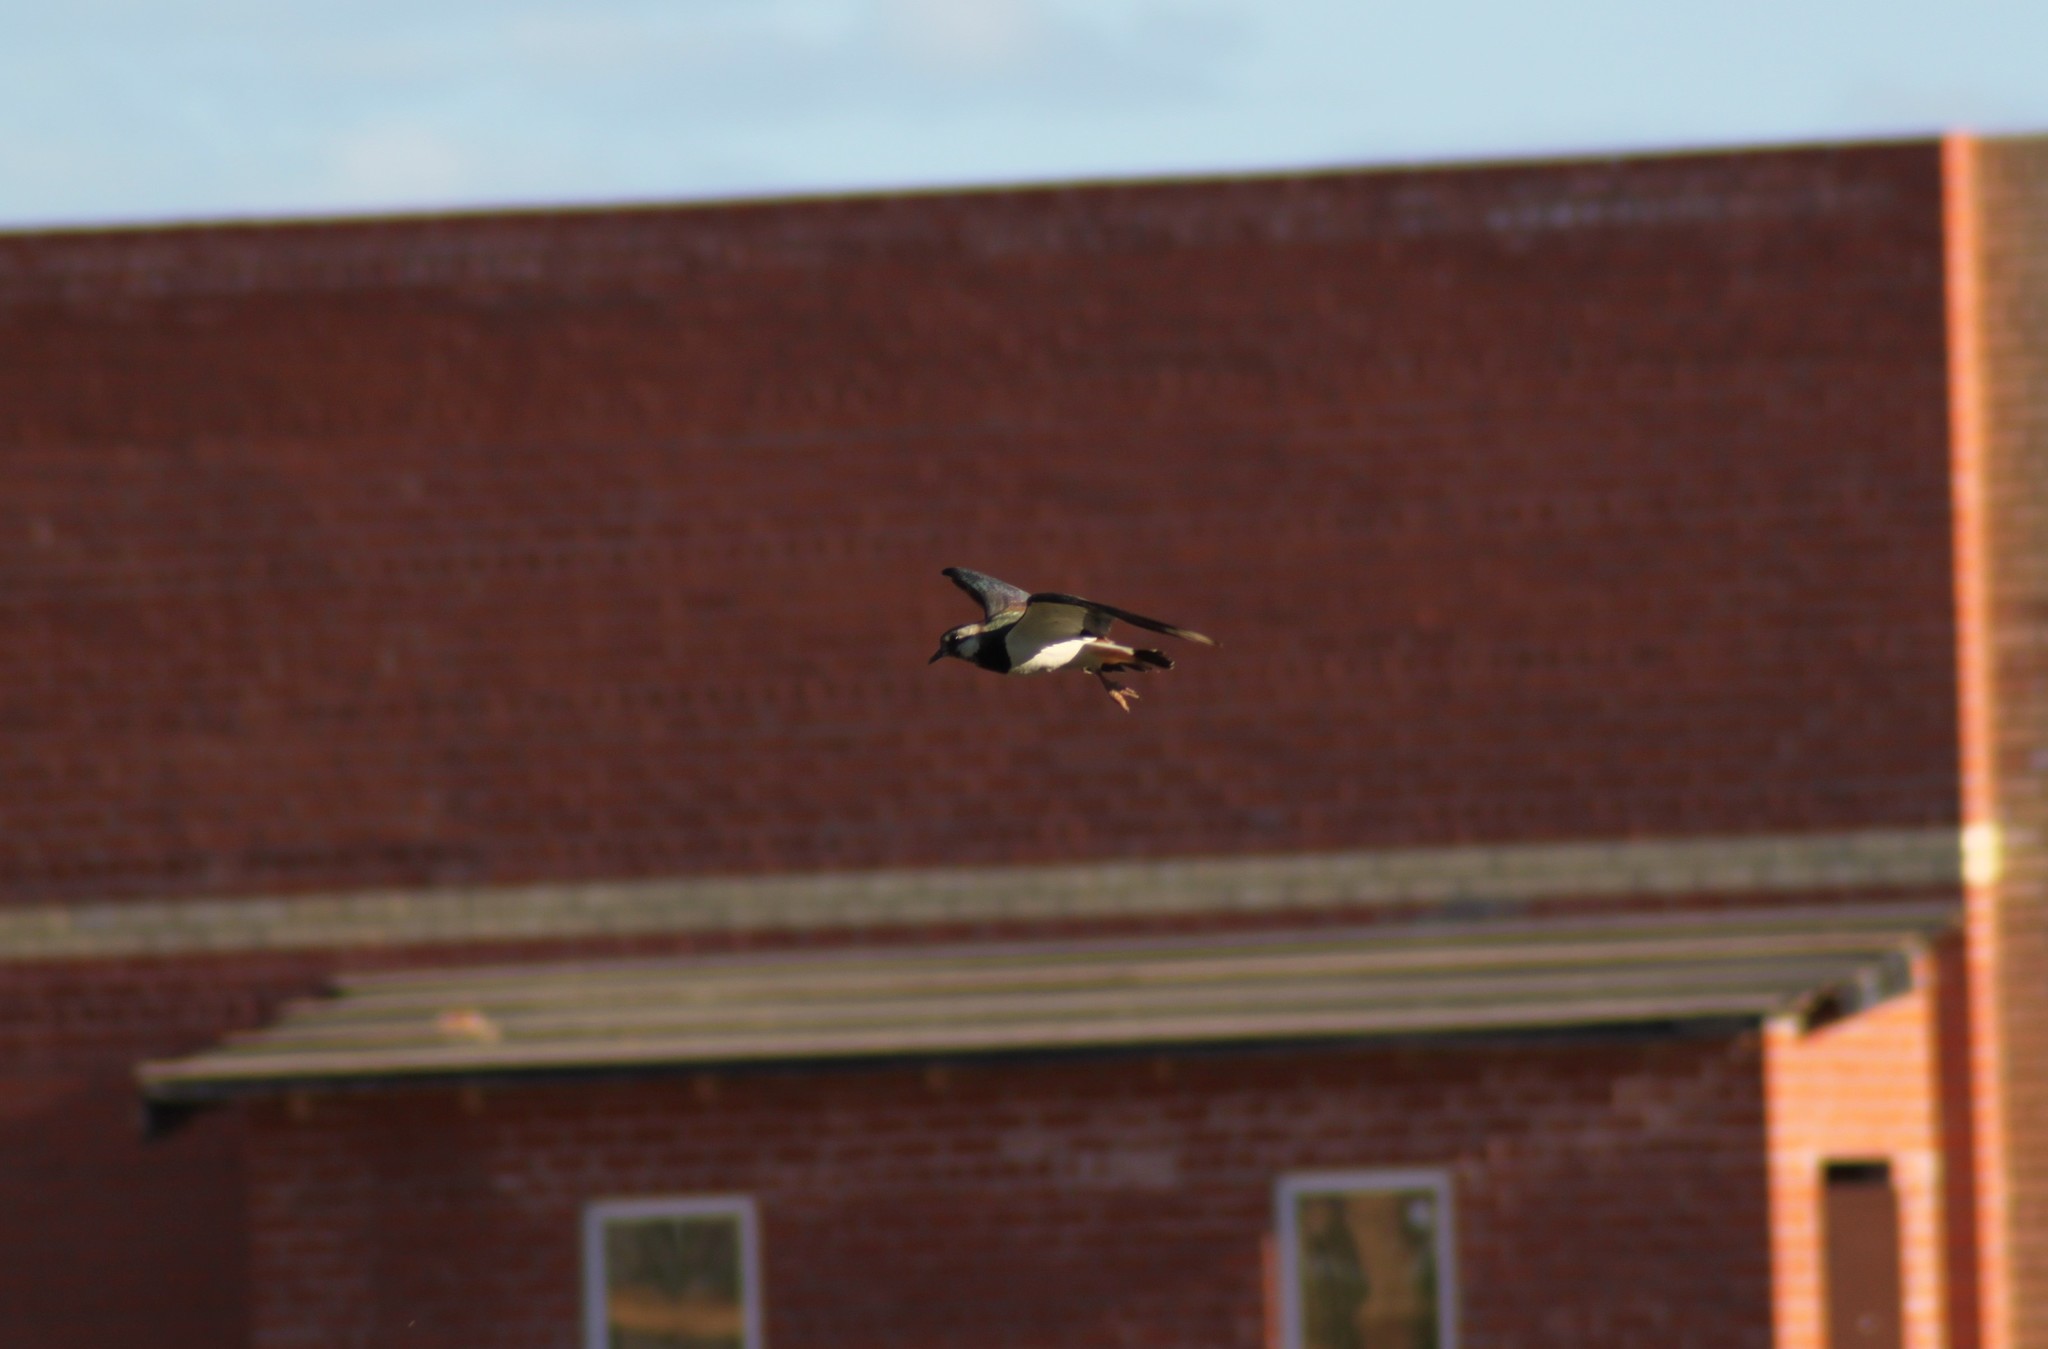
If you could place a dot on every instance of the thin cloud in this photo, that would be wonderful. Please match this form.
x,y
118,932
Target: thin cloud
x,y
153,109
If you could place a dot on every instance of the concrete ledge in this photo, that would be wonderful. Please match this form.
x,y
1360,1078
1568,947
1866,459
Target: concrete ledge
x,y
1743,865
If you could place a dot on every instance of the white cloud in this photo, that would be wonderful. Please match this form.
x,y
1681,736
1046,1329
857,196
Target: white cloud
x,y
148,109
396,163
967,37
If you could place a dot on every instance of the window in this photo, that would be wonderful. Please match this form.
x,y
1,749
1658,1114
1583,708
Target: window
x,y
671,1274
1365,1260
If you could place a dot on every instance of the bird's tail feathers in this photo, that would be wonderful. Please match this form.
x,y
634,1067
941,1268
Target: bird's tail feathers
x,y
1139,659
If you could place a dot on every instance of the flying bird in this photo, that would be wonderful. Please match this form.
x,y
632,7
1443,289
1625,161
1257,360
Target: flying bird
x,y
1023,634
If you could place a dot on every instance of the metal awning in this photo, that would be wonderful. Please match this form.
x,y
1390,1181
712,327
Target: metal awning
x,y
1220,988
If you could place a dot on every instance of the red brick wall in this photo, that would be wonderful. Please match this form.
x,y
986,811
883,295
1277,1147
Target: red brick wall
x,y
1549,501
104,1239
1606,1195
606,544
108,1238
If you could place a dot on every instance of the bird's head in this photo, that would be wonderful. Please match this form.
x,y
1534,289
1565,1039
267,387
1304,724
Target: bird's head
x,y
961,643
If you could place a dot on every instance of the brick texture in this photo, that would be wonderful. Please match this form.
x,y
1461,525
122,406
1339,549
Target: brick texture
x,y
1876,1087
103,1239
1607,1195
1545,502
2004,449
1553,503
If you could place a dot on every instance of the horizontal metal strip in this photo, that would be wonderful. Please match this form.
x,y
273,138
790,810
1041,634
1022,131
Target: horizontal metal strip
x,y
1890,859
1788,976
1366,980
822,977
174,1081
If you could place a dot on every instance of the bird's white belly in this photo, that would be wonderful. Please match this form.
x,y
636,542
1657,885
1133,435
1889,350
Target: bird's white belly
x,y
1055,656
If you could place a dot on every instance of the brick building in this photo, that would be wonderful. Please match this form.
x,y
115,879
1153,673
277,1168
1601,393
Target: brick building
x,y
472,775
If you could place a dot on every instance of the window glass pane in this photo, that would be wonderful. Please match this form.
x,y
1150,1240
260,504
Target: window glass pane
x,y
1367,1269
674,1283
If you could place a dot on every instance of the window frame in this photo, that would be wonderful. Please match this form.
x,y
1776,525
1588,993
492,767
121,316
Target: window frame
x,y
598,1212
1289,1189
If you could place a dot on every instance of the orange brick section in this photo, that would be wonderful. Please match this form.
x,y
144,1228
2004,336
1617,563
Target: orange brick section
x,y
1866,1089
1607,1195
1588,500
1999,196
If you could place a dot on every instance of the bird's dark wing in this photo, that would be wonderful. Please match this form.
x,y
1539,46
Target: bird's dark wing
x,y
996,597
1073,616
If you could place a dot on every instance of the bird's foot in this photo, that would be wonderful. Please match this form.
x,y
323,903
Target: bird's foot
x,y
1123,695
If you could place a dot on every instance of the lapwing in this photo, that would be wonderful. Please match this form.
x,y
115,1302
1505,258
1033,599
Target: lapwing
x,y
1025,634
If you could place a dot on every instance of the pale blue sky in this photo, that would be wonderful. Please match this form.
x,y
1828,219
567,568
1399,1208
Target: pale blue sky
x,y
150,110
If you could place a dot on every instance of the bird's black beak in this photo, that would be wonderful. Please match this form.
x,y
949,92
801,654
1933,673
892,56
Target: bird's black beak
x,y
937,656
